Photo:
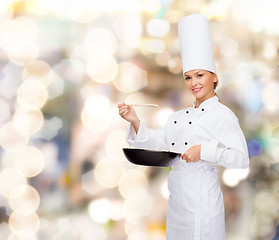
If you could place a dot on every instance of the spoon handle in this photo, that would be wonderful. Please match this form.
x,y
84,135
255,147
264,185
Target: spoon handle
x,y
144,105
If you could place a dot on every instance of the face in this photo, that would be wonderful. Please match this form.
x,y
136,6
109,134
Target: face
x,y
200,83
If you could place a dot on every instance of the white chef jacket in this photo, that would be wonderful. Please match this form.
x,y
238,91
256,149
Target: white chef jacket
x,y
195,206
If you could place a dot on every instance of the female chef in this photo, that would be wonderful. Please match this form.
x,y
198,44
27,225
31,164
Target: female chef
x,y
206,134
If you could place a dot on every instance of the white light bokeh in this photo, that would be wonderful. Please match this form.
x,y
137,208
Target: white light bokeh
x,y
6,11
108,172
81,11
22,28
111,5
132,182
163,58
175,65
229,47
100,210
38,70
150,6
217,9
137,206
111,210
261,225
97,106
274,150
269,51
66,229
14,236
32,95
256,19
114,144
87,229
270,96
6,159
24,225
10,80
29,160
100,41
175,15
128,28
5,111
236,237
10,139
137,98
130,78
28,122
232,177
117,211
23,53
38,7
24,198
95,124
10,178
89,183
132,227
270,202
102,68
174,46
164,189
152,46
158,27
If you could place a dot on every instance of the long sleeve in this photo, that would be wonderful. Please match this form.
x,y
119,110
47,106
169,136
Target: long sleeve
x,y
229,148
147,138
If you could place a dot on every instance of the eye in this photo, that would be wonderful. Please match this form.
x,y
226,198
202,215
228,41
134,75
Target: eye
x,y
187,78
200,75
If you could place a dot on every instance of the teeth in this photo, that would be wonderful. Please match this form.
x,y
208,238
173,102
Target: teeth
x,y
196,89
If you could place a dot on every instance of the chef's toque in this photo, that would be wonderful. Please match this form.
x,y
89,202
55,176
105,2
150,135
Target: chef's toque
x,y
195,43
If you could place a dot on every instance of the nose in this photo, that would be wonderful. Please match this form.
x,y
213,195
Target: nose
x,y
194,81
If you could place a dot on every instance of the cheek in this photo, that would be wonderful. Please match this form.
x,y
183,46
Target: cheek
x,y
207,82
188,84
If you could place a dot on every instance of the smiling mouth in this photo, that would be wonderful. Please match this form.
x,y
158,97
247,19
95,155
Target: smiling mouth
x,y
197,89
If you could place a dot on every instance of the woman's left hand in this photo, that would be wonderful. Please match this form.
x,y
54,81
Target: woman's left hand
x,y
192,154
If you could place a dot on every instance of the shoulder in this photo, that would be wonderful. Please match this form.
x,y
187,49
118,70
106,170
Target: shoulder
x,y
225,113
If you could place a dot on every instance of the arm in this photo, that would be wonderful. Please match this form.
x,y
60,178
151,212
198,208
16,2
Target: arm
x,y
136,125
139,135
229,148
146,138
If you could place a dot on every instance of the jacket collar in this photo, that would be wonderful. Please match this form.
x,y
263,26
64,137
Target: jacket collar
x,y
207,102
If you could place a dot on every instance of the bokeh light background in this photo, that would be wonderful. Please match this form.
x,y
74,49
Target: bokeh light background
x,y
66,64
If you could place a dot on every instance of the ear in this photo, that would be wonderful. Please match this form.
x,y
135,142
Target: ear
x,y
215,77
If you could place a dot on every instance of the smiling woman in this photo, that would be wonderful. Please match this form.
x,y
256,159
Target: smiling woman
x,y
201,83
206,134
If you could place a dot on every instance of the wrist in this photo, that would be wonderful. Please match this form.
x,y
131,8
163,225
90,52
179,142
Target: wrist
x,y
136,122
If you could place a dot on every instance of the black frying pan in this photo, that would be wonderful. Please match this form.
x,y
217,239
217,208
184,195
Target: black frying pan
x,y
150,157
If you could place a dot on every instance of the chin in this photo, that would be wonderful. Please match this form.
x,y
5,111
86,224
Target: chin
x,y
198,94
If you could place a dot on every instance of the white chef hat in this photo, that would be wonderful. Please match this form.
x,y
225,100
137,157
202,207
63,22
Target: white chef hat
x,y
195,43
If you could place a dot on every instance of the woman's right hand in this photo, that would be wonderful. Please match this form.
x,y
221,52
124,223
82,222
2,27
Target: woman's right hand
x,y
128,113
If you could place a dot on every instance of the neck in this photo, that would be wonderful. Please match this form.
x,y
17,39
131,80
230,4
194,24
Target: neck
x,y
200,100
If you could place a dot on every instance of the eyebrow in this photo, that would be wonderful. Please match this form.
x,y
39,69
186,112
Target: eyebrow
x,y
188,75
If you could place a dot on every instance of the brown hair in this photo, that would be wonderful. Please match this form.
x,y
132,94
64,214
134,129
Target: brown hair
x,y
216,84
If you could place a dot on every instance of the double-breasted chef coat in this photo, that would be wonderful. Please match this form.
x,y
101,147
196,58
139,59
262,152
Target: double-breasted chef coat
x,y
195,208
